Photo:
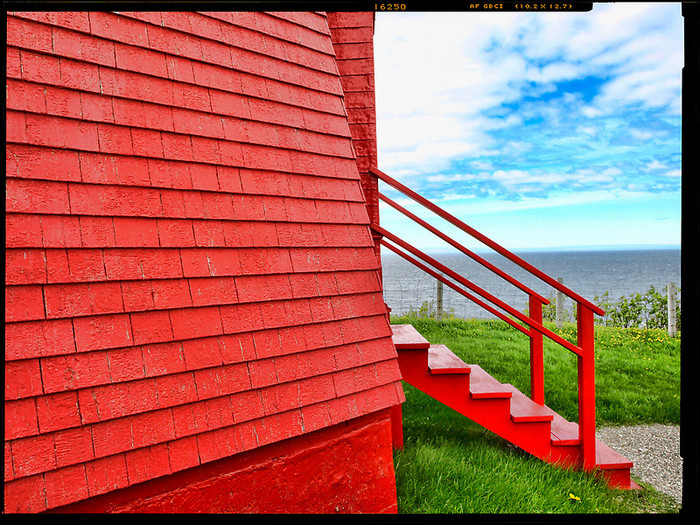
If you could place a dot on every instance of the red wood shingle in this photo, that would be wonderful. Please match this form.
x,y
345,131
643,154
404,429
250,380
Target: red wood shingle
x,y
189,270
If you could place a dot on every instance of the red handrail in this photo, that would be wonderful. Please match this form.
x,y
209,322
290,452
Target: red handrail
x,y
483,293
485,240
432,229
585,309
449,283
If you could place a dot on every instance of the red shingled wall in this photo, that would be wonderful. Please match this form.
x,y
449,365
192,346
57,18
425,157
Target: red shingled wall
x,y
189,269
353,41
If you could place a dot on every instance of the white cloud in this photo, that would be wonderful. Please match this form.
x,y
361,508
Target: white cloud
x,y
454,177
587,130
445,81
553,72
482,165
455,204
590,112
519,178
655,165
641,134
427,157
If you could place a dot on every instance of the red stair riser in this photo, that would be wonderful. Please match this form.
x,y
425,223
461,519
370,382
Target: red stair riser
x,y
448,389
566,443
413,363
491,395
411,346
564,458
449,371
619,478
532,437
528,419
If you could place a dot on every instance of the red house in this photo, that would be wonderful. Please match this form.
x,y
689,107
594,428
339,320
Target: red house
x,y
194,313
194,317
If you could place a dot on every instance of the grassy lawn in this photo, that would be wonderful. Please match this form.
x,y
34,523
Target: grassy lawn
x,y
451,465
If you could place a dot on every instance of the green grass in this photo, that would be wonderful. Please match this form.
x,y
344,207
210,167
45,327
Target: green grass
x,y
451,465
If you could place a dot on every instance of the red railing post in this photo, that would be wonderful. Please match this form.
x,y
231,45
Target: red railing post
x,y
536,353
586,386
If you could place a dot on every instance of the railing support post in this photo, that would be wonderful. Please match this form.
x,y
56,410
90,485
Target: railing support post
x,y
559,305
438,306
586,386
671,289
536,354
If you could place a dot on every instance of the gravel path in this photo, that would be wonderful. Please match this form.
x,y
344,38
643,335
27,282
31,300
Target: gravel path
x,y
655,452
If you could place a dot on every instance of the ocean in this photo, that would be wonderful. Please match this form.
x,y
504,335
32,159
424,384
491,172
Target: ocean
x,y
589,273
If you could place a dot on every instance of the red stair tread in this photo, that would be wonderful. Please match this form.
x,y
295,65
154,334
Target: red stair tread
x,y
441,360
563,432
523,409
566,433
483,386
606,458
406,337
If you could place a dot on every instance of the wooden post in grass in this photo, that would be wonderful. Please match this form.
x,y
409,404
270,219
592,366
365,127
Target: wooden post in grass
x,y
671,288
438,315
559,303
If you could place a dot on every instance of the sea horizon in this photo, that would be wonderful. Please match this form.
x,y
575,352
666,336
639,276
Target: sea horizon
x,y
588,270
551,249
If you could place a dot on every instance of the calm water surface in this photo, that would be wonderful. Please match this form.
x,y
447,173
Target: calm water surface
x,y
589,273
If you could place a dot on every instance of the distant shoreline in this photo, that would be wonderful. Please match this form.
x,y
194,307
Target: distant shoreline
x,y
612,248
590,273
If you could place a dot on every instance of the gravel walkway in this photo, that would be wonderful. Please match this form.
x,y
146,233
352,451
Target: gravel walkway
x,y
655,452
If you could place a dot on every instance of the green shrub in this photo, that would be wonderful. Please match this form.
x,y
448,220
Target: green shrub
x,y
649,310
428,310
549,311
637,311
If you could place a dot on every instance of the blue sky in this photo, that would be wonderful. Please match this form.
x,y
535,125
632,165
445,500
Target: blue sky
x,y
542,130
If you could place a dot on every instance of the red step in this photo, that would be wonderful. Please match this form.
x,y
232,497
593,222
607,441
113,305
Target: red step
x,y
499,407
483,386
614,466
607,458
441,360
525,410
564,433
406,337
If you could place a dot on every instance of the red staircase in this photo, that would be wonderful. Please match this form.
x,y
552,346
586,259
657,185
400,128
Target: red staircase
x,y
524,421
499,407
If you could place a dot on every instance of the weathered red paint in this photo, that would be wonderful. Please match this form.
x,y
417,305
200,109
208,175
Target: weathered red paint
x,y
353,35
326,471
190,271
